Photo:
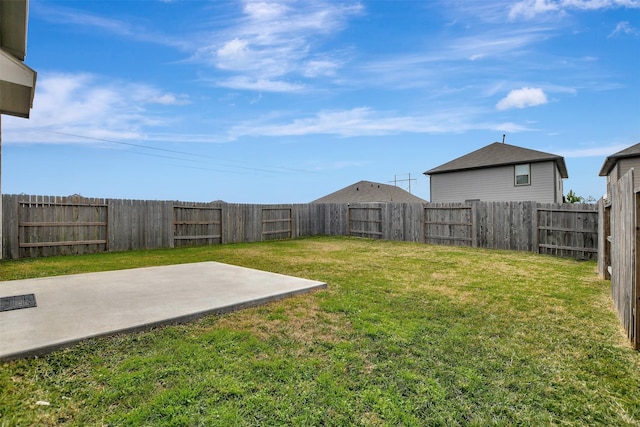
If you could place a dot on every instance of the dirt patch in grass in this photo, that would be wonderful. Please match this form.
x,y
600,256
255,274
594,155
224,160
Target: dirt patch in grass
x,y
299,318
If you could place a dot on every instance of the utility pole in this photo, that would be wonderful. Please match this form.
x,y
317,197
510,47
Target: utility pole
x,y
396,180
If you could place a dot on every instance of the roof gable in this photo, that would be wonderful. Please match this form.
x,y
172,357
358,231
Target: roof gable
x,y
499,154
610,162
370,192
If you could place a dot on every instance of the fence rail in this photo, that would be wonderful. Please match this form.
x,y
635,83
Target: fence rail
x,y
35,226
449,224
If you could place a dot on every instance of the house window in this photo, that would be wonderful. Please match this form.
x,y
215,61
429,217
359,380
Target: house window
x,y
523,174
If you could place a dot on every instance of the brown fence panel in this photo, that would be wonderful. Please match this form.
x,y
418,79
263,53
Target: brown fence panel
x,y
505,225
121,225
10,249
365,221
569,230
49,226
196,225
449,224
140,224
336,219
277,223
308,219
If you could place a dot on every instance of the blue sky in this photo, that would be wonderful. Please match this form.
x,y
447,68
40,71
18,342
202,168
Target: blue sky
x,y
287,101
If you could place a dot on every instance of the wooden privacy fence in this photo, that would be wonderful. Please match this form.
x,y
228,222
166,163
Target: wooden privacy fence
x,y
449,224
58,225
43,226
196,224
618,260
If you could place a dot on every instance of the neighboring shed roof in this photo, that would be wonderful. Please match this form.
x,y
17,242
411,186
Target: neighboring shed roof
x,y
370,192
610,162
499,154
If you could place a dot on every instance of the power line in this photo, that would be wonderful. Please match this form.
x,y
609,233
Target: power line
x,y
280,171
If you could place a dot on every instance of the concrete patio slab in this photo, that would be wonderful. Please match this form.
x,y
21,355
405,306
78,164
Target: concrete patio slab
x,y
80,306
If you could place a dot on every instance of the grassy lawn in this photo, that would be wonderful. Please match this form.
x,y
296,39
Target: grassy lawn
x,y
406,334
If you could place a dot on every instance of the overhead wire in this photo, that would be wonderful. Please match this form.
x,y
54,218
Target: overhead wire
x,y
279,170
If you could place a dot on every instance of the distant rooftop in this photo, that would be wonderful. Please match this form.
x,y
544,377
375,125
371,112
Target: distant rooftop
x,y
499,154
370,192
610,162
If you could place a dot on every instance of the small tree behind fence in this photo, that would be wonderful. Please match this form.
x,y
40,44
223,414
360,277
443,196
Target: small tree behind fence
x,y
36,226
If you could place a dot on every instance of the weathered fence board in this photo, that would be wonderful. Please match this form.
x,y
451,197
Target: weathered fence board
x,y
140,224
365,221
625,266
196,225
449,224
277,222
568,231
40,226
50,225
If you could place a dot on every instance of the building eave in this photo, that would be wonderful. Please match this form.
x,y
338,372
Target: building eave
x,y
14,15
17,81
499,155
17,86
611,161
559,161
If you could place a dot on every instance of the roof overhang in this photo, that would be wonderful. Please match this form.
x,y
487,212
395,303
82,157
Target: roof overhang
x,y
17,81
559,162
608,165
13,27
17,86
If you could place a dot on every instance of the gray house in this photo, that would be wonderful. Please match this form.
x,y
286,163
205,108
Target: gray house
x,y
500,172
370,192
618,164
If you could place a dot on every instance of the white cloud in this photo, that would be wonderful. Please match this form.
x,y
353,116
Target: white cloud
x,y
625,28
274,40
51,12
259,84
530,8
521,98
233,55
321,67
87,105
364,121
264,10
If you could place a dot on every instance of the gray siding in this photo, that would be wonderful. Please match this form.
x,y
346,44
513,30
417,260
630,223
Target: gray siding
x,y
497,184
624,165
620,169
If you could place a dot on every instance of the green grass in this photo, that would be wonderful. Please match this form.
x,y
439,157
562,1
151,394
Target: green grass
x,y
405,334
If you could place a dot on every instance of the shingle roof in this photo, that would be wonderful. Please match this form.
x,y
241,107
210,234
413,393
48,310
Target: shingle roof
x,y
610,162
499,154
370,192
